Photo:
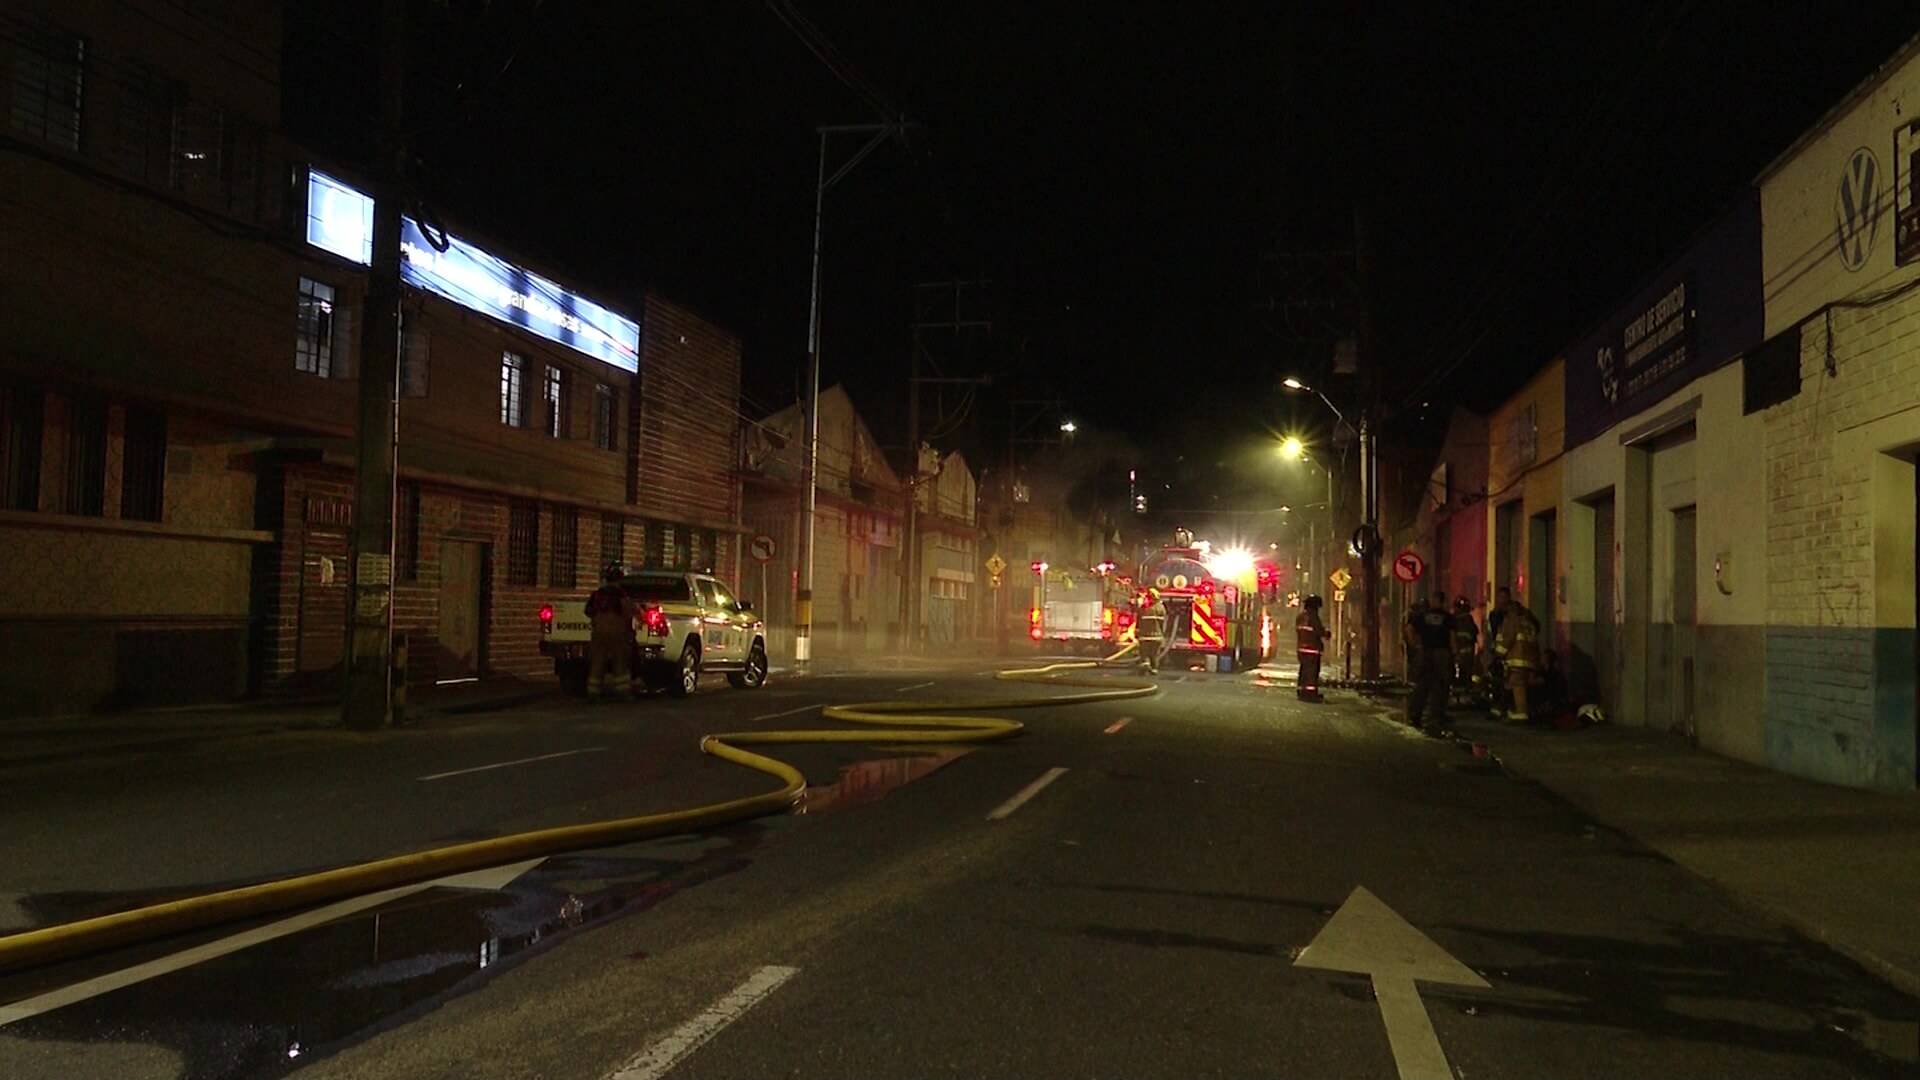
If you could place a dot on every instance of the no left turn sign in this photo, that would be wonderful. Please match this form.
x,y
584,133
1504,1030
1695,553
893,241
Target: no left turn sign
x,y
1408,566
760,548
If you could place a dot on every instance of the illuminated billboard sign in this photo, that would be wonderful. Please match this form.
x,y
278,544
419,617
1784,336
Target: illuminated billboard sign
x,y
340,220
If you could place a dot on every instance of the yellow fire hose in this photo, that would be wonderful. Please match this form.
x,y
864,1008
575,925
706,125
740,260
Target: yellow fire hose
x,y
910,722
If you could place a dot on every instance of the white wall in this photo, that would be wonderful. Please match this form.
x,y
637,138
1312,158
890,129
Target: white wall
x,y
1800,205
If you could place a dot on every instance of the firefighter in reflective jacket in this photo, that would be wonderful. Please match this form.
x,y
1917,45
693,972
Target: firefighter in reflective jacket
x,y
1151,629
610,648
1518,649
1311,640
1466,641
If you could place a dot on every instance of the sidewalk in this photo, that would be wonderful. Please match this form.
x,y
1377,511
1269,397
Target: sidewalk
x,y
48,738
1839,865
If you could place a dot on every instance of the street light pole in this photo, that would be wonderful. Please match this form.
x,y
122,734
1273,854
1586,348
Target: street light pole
x,y
1369,534
803,605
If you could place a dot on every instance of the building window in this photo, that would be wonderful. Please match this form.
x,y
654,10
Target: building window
x,y
555,398
143,476
216,158
406,532
513,390
143,125
45,96
613,541
22,412
314,349
605,408
86,458
523,543
563,566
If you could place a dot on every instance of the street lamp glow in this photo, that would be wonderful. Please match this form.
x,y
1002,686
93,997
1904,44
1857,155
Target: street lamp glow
x,y
1231,564
1292,383
1292,448
1068,426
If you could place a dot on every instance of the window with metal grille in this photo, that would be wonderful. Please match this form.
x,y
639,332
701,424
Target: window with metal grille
x,y
143,125
700,549
523,543
513,389
406,532
313,350
46,84
563,565
613,541
556,401
143,475
605,408
22,414
659,545
86,458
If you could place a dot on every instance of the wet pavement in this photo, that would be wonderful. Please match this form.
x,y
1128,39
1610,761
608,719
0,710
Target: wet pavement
x,y
1137,913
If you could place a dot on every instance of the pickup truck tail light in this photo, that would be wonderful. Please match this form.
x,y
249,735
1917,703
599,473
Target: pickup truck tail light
x,y
656,621
546,619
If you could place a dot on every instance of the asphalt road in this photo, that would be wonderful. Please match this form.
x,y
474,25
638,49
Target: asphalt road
x,y
1140,914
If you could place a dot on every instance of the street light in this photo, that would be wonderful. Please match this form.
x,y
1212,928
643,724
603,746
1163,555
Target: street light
x,y
803,597
1292,448
1068,427
1369,533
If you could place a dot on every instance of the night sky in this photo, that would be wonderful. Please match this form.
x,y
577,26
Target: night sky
x,y
1140,181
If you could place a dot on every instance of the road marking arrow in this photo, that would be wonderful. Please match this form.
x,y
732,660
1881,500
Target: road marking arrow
x,y
1366,937
493,879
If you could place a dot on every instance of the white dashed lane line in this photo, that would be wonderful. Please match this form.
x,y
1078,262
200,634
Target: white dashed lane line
x,y
1019,800
660,1058
516,761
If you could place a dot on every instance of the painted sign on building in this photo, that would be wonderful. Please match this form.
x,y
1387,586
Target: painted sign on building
x,y
340,220
1703,310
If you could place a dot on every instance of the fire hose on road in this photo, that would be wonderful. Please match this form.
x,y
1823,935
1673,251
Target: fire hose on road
x,y
899,722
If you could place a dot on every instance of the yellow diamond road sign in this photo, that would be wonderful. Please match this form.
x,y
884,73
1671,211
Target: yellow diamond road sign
x,y
995,563
1340,578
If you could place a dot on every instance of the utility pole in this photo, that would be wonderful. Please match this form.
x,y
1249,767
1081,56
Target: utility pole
x,y
803,606
926,318
366,699
1369,372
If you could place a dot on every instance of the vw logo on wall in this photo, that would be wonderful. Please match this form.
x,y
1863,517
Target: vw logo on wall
x,y
1856,209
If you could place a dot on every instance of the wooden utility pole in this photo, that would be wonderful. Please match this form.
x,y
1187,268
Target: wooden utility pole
x,y
366,700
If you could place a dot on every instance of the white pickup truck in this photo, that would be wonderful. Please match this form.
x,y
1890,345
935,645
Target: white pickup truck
x,y
685,625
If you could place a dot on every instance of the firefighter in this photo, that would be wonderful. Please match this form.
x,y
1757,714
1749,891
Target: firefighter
x,y
1150,630
1466,641
1519,650
1310,642
1496,673
610,648
1430,629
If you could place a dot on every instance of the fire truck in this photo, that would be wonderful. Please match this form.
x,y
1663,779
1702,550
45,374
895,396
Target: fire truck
x,y
1083,609
1221,604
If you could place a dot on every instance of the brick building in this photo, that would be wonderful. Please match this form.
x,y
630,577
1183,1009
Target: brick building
x,y
952,607
1837,386
857,528
177,386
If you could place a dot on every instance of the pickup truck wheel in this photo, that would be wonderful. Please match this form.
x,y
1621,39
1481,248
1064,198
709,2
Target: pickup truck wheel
x,y
689,679
754,675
